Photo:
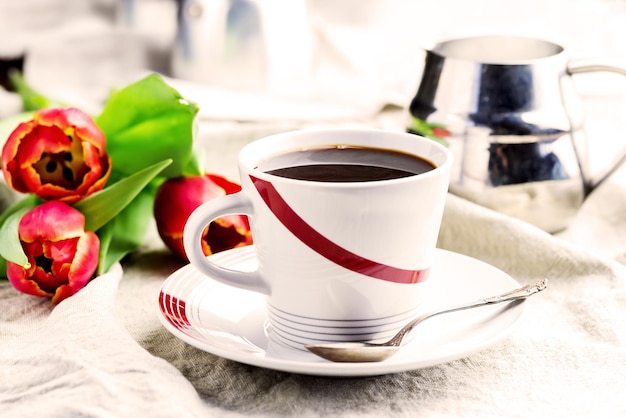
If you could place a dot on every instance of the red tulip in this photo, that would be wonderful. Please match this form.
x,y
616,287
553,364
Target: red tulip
x,y
59,154
178,197
62,255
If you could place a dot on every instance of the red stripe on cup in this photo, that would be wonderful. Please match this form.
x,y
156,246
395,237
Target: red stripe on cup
x,y
325,247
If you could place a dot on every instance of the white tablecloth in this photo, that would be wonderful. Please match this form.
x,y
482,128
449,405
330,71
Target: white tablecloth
x,y
104,353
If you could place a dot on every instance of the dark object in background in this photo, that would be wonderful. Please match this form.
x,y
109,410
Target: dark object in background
x,y
6,65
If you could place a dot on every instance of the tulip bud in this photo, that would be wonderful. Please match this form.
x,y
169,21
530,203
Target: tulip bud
x,y
177,198
62,256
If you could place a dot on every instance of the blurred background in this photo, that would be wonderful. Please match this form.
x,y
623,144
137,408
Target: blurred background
x,y
278,64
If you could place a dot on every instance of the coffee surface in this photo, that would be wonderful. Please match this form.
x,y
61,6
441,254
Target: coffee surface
x,y
345,164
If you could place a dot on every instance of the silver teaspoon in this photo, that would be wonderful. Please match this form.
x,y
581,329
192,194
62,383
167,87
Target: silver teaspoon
x,y
355,352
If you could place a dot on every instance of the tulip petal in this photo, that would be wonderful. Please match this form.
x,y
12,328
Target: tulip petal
x,y
19,278
33,164
60,252
62,293
178,197
85,261
47,280
222,235
41,139
9,154
79,121
36,224
229,186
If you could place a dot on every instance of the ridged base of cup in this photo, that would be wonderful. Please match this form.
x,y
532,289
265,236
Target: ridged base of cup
x,y
297,331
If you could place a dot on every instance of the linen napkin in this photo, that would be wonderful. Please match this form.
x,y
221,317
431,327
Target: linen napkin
x,y
78,360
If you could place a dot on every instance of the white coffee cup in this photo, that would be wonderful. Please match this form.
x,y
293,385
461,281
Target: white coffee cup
x,y
338,261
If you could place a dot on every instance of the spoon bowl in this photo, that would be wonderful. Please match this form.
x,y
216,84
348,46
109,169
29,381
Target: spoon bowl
x,y
360,352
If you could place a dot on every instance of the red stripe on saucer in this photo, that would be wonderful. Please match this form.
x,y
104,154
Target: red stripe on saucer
x,y
326,248
174,310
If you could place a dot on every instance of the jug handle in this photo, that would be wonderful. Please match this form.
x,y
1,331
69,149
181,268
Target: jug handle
x,y
589,66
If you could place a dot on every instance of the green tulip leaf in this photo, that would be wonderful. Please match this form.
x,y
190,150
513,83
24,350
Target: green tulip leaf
x,y
126,232
151,120
10,246
105,234
101,207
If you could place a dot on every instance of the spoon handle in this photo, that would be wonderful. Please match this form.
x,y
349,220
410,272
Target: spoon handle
x,y
519,293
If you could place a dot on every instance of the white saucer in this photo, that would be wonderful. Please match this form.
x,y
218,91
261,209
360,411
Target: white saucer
x,y
232,323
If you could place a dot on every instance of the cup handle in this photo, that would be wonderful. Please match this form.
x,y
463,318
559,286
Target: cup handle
x,y
237,203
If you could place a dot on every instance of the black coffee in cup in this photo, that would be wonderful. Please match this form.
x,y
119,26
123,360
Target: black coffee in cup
x,y
345,164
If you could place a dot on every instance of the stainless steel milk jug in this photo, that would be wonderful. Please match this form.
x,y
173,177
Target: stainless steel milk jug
x,y
506,107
